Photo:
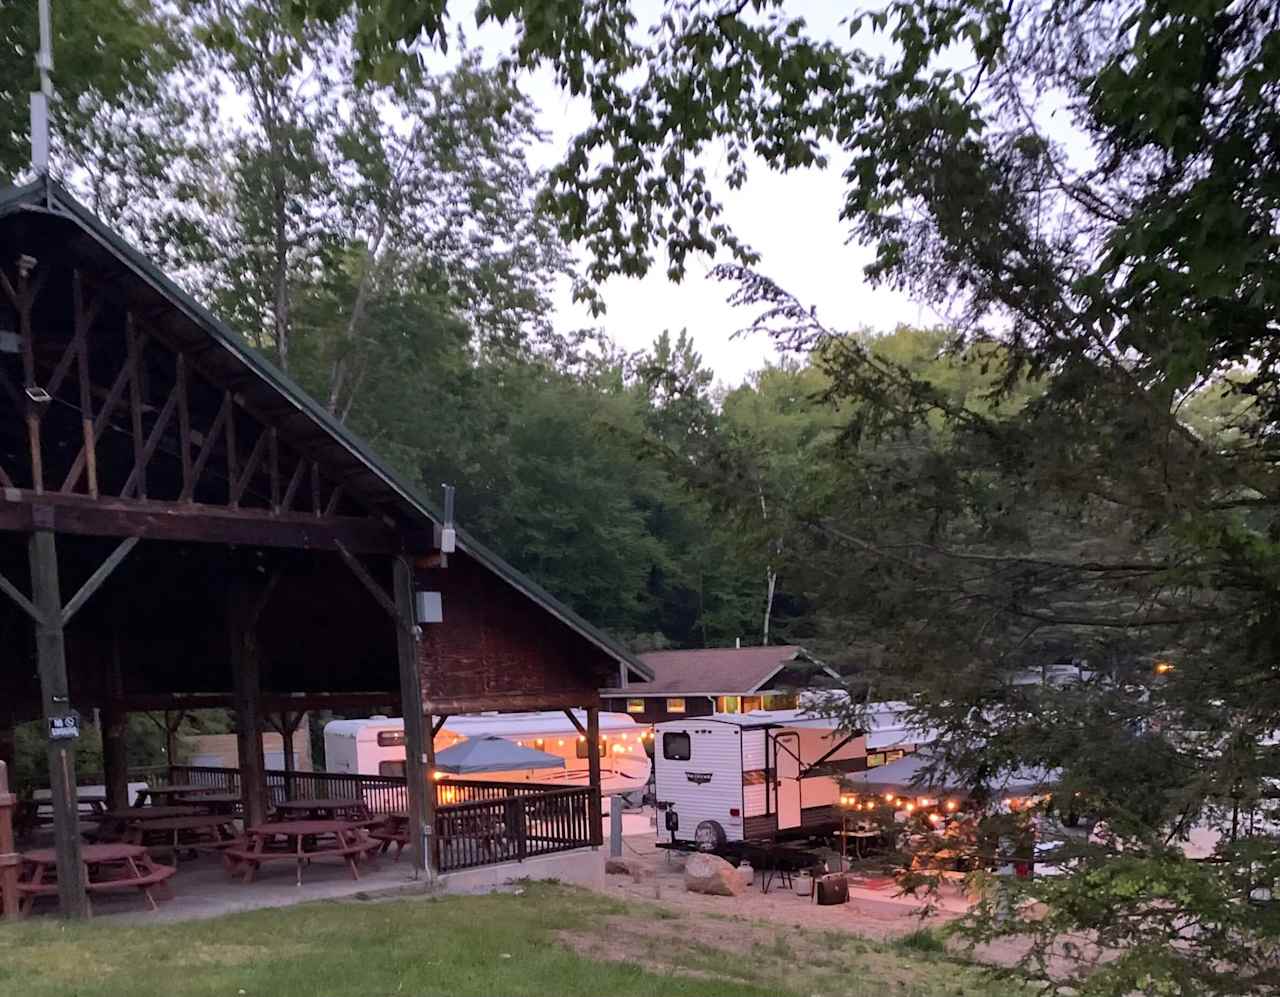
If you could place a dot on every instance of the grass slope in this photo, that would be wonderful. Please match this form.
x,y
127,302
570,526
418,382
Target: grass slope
x,y
497,944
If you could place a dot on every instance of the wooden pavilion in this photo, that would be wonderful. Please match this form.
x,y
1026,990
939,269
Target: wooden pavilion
x,y
180,526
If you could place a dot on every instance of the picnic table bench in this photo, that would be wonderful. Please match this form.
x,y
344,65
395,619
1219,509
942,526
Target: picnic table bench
x,y
300,842
107,868
172,792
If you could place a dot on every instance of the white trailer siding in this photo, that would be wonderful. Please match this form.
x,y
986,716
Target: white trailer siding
x,y
705,786
755,792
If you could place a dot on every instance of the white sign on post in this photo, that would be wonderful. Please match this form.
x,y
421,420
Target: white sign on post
x,y
64,728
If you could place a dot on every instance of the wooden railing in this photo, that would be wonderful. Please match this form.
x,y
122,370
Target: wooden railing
x,y
513,828
477,822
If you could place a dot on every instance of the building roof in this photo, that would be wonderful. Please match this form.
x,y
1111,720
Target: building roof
x,y
717,671
260,382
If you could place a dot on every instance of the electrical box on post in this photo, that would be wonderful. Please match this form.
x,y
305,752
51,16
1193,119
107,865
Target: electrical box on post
x,y
427,607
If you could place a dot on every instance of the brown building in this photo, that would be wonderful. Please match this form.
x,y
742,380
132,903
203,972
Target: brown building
x,y
181,526
718,680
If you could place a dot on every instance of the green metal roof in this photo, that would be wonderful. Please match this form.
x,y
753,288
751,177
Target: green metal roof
x,y
45,195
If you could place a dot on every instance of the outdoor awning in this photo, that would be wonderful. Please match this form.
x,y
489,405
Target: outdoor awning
x,y
493,754
906,776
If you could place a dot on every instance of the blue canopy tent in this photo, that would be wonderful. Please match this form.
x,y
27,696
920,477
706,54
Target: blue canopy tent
x,y
490,753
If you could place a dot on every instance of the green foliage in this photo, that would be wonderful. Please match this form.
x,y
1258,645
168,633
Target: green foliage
x,y
923,941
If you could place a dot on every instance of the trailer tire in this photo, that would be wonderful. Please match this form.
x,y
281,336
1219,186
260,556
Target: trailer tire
x,y
709,836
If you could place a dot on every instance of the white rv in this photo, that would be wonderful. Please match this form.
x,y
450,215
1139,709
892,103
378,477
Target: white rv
x,y
375,746
733,777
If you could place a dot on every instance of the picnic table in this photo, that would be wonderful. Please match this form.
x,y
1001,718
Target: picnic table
x,y
193,833
324,809
172,792
216,803
300,842
394,830
113,823
117,866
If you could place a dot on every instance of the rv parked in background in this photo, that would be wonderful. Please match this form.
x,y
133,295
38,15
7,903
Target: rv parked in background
x,y
375,746
732,777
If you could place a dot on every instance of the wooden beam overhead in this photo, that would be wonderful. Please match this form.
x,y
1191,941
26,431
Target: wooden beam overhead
x,y
511,701
369,582
12,591
208,524
277,702
95,580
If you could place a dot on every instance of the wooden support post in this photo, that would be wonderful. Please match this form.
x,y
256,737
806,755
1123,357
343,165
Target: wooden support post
x,y
115,754
115,733
593,774
8,741
246,677
51,652
8,857
419,753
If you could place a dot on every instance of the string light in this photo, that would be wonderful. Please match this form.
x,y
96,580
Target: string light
x,y
951,805
910,808
561,742
888,797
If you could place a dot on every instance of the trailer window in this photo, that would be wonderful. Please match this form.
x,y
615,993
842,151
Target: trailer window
x,y
391,768
677,747
390,738
582,748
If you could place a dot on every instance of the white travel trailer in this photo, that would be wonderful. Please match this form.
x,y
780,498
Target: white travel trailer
x,y
733,777
375,746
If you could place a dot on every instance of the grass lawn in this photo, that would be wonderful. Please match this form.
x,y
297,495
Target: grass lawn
x,y
550,940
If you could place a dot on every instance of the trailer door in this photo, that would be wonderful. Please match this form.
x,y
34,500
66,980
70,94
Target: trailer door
x,y
786,762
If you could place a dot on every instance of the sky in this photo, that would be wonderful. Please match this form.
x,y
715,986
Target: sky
x,y
791,220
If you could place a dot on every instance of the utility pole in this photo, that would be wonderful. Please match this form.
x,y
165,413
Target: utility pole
x,y
41,100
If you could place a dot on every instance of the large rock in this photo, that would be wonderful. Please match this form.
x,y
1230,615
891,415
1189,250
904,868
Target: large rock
x,y
711,874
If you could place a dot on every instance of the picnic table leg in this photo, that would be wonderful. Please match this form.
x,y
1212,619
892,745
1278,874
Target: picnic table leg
x,y
146,890
345,841
29,901
301,858
251,864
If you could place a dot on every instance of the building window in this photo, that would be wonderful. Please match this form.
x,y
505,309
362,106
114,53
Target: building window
x,y
675,705
752,703
391,768
875,759
728,704
781,701
635,705
391,739
677,747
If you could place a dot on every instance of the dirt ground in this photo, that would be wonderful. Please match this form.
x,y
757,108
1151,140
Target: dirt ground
x,y
880,918
738,923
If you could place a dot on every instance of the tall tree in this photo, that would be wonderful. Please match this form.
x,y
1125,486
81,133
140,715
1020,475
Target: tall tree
x,y
1121,254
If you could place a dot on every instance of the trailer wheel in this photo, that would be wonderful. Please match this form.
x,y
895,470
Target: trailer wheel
x,y
709,836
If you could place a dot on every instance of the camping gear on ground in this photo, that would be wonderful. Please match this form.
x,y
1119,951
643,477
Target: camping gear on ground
x,y
831,889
